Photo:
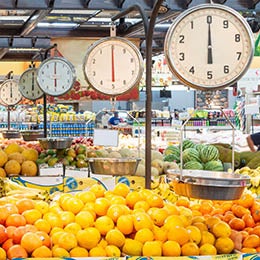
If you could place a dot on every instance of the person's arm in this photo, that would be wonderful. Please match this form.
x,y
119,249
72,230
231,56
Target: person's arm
x,y
251,144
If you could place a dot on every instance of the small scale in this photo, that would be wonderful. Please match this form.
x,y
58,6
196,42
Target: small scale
x,y
10,95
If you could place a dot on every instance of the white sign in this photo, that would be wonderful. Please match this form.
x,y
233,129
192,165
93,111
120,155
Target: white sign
x,y
250,80
105,137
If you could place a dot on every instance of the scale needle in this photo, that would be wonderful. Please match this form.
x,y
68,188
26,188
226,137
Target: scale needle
x,y
33,81
113,63
55,76
210,60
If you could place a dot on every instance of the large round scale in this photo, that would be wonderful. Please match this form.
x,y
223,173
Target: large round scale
x,y
113,66
10,94
209,46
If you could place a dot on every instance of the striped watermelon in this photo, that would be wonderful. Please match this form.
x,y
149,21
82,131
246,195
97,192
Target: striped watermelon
x,y
190,154
199,147
209,153
187,144
172,149
215,165
193,165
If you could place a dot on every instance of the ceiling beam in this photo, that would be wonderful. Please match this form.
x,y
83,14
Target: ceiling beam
x,y
32,22
3,52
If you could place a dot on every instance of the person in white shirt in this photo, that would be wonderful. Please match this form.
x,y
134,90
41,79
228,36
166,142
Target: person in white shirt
x,y
104,119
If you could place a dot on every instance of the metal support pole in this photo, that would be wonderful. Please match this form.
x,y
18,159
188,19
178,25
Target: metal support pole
x,y
149,28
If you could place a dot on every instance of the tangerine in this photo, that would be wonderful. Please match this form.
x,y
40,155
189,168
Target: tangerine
x,y
224,245
251,241
24,204
16,251
237,223
3,234
45,238
31,215
42,252
30,241
16,220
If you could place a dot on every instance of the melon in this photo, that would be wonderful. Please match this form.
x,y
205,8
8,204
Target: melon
x,y
209,153
171,158
190,154
215,165
199,147
187,144
172,149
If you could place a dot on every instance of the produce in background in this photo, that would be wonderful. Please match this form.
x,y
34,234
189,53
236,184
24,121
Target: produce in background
x,y
99,223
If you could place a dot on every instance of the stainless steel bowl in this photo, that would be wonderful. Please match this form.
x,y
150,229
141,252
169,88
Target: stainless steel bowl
x,y
32,135
10,134
208,184
113,166
55,142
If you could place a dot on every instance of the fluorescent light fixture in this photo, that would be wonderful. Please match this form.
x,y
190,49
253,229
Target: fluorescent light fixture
x,y
14,18
73,11
24,49
57,25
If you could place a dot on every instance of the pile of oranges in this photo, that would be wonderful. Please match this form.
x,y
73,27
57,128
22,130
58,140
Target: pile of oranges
x,y
121,222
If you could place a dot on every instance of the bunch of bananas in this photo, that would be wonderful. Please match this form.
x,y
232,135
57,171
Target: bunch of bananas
x,y
162,188
254,175
10,189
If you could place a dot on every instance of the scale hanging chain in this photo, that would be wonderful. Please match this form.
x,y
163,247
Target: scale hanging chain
x,y
113,30
113,103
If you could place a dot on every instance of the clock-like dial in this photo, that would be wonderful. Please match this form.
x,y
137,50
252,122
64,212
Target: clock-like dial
x,y
113,66
209,46
56,76
10,93
29,86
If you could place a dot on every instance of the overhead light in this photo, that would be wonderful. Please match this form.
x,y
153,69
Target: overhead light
x,y
57,25
24,49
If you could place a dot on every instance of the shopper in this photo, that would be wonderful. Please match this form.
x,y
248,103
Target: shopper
x,y
104,119
114,120
253,141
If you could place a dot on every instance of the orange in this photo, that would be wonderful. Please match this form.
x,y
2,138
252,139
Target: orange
x,y
101,206
171,209
98,190
142,204
132,247
171,248
24,204
16,251
211,221
158,216
125,224
97,251
239,210
121,189
30,228
178,234
249,220
206,207
84,219
207,249
2,254
45,238
246,200
88,238
117,210
143,235
154,200
18,233
207,238
90,206
190,249
248,250
7,244
60,252
72,228
56,235
201,226
255,230
221,229
195,234
173,221
183,202
115,237
10,231
237,224
86,196
42,225
3,234
3,214
104,224
228,216
30,241
152,248
67,241
32,215
53,219
74,205
117,200
79,252
42,252
159,233
132,197
112,251
10,208
66,217
224,245
251,241
16,220
142,220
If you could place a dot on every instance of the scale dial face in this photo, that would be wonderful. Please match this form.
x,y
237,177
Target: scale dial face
x,y
209,46
56,76
10,93
29,86
113,66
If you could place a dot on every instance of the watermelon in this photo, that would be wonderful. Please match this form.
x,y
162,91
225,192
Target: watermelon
x,y
171,158
193,165
187,144
209,153
199,147
172,149
190,154
215,165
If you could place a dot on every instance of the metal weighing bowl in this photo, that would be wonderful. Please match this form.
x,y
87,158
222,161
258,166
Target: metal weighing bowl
x,y
55,142
208,184
113,166
32,135
10,134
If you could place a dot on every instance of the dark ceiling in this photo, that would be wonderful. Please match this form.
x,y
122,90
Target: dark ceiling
x,y
27,26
